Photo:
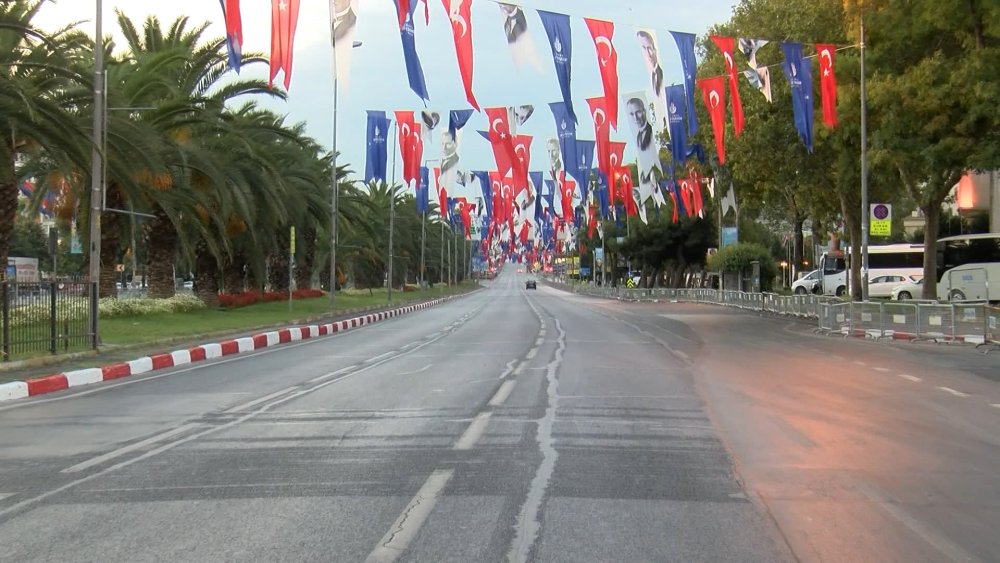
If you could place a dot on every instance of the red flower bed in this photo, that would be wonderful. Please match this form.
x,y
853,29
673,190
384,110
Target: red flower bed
x,y
250,297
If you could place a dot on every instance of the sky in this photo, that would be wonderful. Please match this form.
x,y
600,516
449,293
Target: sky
x,y
378,76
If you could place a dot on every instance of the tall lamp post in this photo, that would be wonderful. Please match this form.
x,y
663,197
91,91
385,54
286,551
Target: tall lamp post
x,y
96,172
335,192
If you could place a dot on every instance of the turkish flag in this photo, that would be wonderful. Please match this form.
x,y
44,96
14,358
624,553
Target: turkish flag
x,y
566,189
496,191
591,221
713,91
694,180
404,8
415,157
673,198
602,131
234,32
725,44
628,184
616,154
500,139
442,194
827,83
522,160
284,18
461,28
607,58
404,128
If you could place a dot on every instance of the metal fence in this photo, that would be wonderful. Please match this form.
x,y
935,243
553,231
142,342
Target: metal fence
x,y
48,316
971,322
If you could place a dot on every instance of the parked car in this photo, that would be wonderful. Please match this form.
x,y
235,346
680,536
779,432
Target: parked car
x,y
908,290
530,284
808,283
882,286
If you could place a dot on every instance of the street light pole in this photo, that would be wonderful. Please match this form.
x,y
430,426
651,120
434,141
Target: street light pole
x,y
97,171
864,172
335,189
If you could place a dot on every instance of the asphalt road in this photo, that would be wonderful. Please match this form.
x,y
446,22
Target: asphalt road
x,y
519,425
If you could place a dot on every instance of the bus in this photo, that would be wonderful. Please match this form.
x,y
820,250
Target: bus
x,y
968,268
886,259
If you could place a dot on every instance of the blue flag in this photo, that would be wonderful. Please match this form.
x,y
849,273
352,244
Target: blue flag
x,y
561,41
668,186
584,162
603,197
685,44
414,72
566,130
799,74
423,187
536,180
698,151
484,186
378,154
675,123
550,195
457,119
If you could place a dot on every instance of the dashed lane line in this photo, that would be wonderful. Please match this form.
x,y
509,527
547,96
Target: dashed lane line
x,y
406,527
502,393
951,391
474,432
883,370
909,377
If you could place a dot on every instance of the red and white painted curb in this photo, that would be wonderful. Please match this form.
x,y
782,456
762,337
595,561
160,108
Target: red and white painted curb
x,y
76,378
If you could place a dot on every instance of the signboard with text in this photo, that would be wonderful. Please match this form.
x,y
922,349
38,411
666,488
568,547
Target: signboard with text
x,y
880,220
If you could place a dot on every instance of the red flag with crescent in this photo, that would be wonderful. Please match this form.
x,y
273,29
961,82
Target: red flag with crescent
x,y
607,59
713,91
522,160
500,138
631,209
698,203
459,12
591,221
442,194
566,189
673,198
827,83
404,128
726,44
284,18
416,155
602,131
496,191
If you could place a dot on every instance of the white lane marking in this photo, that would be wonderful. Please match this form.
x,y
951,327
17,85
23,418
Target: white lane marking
x,y
405,528
256,402
474,432
909,377
953,392
379,357
682,355
539,341
502,393
520,368
531,354
128,449
6,495
421,370
333,373
997,405
860,363
883,370
541,333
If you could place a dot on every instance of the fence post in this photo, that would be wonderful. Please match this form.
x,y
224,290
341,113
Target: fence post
x,y
6,321
53,325
93,314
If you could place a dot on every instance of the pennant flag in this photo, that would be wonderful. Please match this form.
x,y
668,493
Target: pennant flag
x,y
234,32
607,58
423,189
430,121
675,123
617,152
414,156
567,188
561,41
457,119
626,195
799,74
603,195
725,44
729,201
402,9
483,178
566,129
538,183
515,28
642,133
377,153
522,160
760,78
651,56
500,138
827,83
685,44
343,23
749,48
414,72
714,93
284,18
678,200
459,12
584,163
519,116
442,194
696,150
404,128
602,131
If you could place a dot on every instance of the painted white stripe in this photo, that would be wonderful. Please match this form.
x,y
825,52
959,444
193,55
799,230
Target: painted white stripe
x,y
84,376
532,353
405,528
502,393
541,333
296,333
997,405
255,402
474,432
379,357
333,374
212,350
313,331
909,377
953,392
181,357
142,365
13,390
244,344
539,340
273,338
127,449
860,363
883,370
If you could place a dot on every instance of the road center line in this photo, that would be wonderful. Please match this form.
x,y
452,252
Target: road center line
x,y
128,449
953,392
531,354
333,373
883,370
256,402
405,528
909,377
474,432
503,392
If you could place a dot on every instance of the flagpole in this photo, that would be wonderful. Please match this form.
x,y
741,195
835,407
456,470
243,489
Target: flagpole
x,y
392,211
423,244
864,171
441,268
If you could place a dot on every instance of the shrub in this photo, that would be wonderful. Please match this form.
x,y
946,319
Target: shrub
x,y
738,258
228,301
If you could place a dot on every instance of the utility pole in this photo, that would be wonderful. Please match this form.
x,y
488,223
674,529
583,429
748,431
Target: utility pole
x,y
97,173
864,171
392,216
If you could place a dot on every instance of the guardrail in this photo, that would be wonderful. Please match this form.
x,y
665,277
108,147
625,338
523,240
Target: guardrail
x,y
45,317
971,322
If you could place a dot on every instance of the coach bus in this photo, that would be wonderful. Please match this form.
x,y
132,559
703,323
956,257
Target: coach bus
x,y
886,259
968,268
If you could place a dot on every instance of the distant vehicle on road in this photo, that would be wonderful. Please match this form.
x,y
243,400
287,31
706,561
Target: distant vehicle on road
x,y
882,286
969,268
908,290
808,283
530,284
887,259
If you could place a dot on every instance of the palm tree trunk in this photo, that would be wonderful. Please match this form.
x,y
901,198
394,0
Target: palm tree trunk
x,y
161,248
278,262
304,269
232,273
206,276
111,237
8,203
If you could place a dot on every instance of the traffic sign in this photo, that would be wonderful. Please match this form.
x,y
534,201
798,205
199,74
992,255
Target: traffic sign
x,y
880,220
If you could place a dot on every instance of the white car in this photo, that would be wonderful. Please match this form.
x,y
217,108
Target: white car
x,y
883,286
808,283
908,290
